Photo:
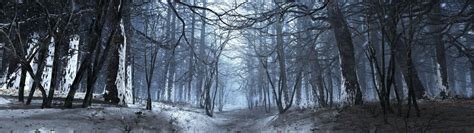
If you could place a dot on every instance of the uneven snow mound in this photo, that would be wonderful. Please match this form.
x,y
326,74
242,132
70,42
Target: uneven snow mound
x,y
4,101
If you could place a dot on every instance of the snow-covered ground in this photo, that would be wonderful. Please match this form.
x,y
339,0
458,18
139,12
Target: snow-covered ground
x,y
444,116
4,101
100,118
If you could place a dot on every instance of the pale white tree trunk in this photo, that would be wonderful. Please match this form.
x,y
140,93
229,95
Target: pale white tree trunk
x,y
124,80
71,67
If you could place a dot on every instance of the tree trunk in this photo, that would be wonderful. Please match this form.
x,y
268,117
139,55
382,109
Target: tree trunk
x,y
472,78
331,87
191,57
95,36
43,53
350,84
201,68
89,88
54,77
452,78
282,81
21,90
404,61
171,76
442,70
129,54
96,52
111,92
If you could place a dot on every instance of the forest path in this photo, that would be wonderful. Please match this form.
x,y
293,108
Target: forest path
x,y
243,120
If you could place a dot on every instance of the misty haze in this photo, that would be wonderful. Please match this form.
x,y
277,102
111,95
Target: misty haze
x,y
146,66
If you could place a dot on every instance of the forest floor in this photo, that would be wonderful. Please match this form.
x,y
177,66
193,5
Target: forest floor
x,y
439,116
435,116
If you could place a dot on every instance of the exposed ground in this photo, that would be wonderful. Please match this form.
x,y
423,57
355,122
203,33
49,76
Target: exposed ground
x,y
439,116
444,116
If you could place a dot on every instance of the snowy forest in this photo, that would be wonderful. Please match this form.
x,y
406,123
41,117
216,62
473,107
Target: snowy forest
x,y
236,66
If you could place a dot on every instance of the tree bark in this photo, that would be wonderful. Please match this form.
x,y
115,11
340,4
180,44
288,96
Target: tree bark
x,y
401,49
21,90
95,51
95,36
111,92
191,59
201,68
472,78
54,77
343,37
43,49
442,70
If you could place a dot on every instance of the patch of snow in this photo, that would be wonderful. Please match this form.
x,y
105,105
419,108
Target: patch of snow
x,y
344,96
4,101
439,81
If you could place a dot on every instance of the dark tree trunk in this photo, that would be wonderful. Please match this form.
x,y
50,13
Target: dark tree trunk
x,y
472,78
12,67
21,90
441,67
404,61
43,53
111,92
95,35
54,76
346,54
89,88
96,54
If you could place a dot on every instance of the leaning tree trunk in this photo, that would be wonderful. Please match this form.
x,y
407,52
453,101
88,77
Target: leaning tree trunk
x,y
350,84
404,62
95,35
111,92
401,48
21,90
54,76
95,65
43,53
441,67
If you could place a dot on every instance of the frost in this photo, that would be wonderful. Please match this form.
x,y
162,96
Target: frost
x,y
344,97
48,70
439,80
124,78
72,63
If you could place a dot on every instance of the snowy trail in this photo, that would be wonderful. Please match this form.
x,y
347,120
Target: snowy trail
x,y
243,120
